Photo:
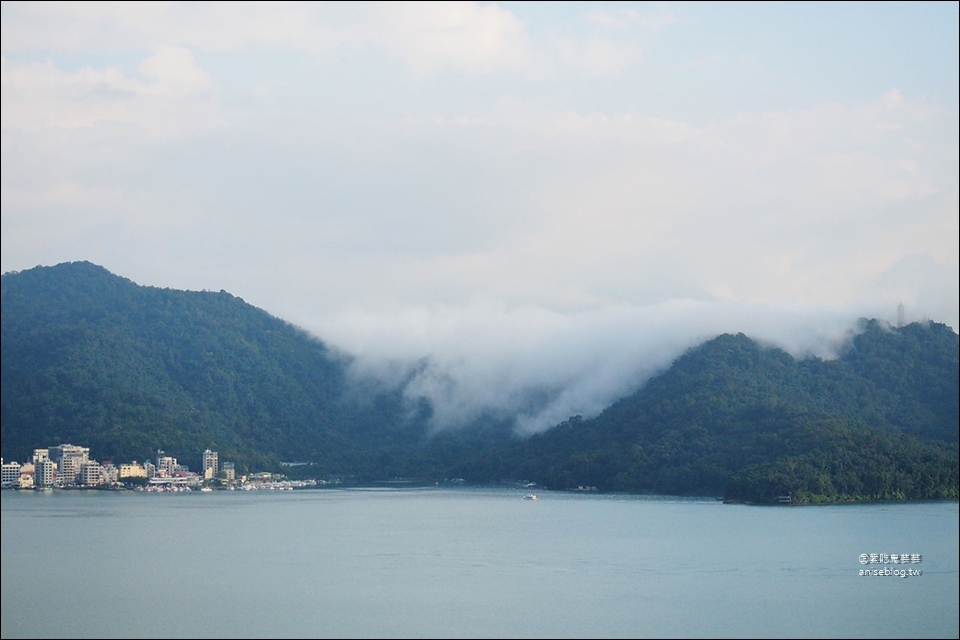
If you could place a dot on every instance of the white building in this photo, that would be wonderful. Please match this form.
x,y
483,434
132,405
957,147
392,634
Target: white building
x,y
89,474
45,472
69,459
166,465
210,464
10,474
109,473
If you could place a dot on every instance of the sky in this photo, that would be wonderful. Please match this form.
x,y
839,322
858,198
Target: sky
x,y
513,209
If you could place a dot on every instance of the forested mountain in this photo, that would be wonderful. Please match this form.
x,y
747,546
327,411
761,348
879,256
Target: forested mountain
x,y
736,419
94,359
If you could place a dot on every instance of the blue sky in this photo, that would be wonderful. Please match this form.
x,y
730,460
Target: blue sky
x,y
542,199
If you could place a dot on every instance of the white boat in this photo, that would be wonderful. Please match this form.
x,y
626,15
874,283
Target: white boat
x,y
529,496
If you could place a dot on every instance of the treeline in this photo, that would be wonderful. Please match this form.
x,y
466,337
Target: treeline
x,y
732,418
95,359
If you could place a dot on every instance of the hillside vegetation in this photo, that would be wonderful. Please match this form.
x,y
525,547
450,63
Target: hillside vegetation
x,y
92,358
732,418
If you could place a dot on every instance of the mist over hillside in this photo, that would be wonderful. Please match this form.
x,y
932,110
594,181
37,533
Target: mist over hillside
x,y
94,358
125,369
537,367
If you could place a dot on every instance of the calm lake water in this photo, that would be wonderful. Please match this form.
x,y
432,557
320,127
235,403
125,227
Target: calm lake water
x,y
468,563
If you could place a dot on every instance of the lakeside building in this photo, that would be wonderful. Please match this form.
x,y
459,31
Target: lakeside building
x,y
27,471
166,465
191,480
69,459
45,473
68,465
210,464
132,470
109,472
90,474
16,476
10,474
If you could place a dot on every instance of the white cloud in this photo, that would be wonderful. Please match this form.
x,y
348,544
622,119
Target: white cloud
x,y
628,18
595,56
633,237
545,366
434,36
425,182
138,26
427,37
171,93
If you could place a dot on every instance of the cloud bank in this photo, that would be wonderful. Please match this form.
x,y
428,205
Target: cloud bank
x,y
518,210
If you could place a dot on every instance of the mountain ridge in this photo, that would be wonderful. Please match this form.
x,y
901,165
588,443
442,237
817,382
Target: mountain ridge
x,y
94,358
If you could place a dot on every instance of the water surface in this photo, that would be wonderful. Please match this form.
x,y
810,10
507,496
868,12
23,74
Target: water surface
x,y
467,563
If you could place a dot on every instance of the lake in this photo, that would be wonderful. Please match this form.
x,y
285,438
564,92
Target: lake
x,y
470,562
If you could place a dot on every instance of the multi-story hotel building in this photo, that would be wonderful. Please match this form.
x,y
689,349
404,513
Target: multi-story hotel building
x,y
166,465
89,475
10,475
132,470
44,473
210,464
69,459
